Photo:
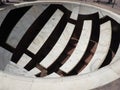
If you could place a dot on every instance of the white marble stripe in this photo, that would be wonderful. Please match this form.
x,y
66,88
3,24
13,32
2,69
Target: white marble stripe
x,y
23,24
45,32
102,48
13,68
75,13
80,48
117,56
5,57
52,75
59,46
24,60
33,72
3,14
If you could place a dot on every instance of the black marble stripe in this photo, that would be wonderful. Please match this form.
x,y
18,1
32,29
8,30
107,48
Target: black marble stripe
x,y
76,34
8,24
32,32
115,40
10,21
94,37
51,41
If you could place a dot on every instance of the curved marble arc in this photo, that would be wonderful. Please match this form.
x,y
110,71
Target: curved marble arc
x,y
58,45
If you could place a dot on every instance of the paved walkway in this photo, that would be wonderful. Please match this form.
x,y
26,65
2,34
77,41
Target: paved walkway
x,y
115,8
102,3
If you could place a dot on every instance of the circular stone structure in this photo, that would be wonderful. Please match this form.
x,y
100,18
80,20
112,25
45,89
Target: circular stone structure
x,y
58,46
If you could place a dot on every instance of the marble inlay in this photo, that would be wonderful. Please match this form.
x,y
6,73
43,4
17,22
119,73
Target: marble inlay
x,y
15,69
5,57
22,26
3,14
80,48
45,32
102,48
33,72
75,13
87,81
117,56
59,46
24,60
52,75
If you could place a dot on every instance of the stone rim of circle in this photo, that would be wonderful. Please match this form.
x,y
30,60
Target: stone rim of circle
x,y
91,80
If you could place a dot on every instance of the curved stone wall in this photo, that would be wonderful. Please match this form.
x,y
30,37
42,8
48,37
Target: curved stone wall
x,y
56,39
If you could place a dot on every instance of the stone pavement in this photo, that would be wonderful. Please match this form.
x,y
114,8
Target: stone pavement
x,y
102,3
115,8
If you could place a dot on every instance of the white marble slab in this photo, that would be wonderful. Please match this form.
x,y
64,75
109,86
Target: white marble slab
x,y
80,48
45,32
75,13
33,72
13,68
59,46
102,48
3,14
24,60
5,57
23,24
117,55
52,75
